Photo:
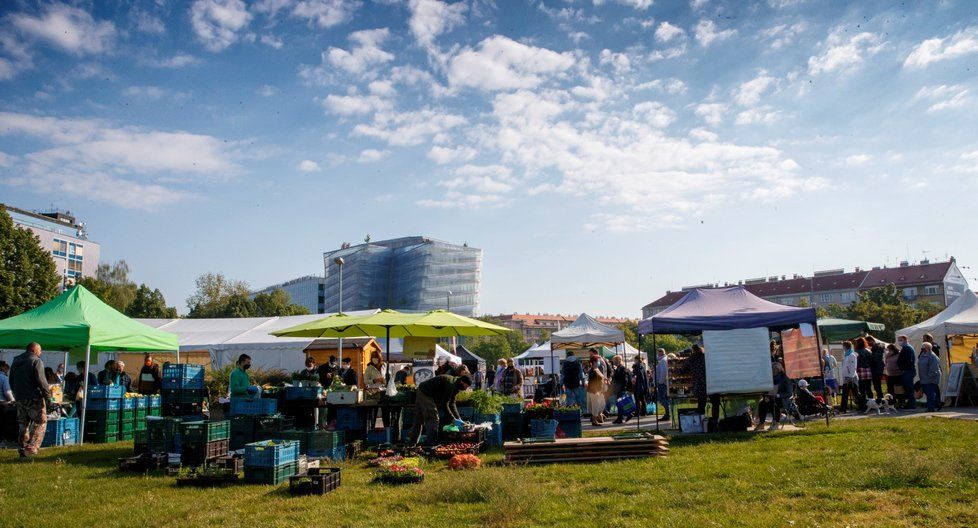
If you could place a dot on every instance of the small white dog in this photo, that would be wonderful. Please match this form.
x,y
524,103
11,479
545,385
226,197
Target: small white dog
x,y
884,406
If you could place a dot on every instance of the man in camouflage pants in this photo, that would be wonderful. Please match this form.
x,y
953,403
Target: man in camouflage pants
x,y
31,393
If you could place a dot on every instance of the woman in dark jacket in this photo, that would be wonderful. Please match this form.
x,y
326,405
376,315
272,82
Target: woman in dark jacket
x,y
864,371
641,380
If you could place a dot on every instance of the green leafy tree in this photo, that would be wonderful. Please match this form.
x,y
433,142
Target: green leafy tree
x,y
150,304
672,343
886,305
493,348
544,336
111,284
630,328
277,303
28,276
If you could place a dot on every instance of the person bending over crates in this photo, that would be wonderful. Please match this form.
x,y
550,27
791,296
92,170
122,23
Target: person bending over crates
x,y
438,392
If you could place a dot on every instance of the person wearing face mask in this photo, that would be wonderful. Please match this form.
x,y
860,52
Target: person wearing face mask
x,y
327,371
240,382
150,377
373,376
907,361
349,375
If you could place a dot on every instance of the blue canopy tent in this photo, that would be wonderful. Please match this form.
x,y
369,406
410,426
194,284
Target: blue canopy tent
x,y
729,308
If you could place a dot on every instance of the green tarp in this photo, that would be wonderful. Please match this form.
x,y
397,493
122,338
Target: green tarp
x,y
834,330
77,318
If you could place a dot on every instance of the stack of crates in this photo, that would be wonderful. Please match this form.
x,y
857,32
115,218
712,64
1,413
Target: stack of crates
x,y
183,390
568,423
103,409
202,441
317,443
242,431
352,421
127,418
163,434
512,421
154,405
494,437
271,461
63,432
270,427
142,409
253,406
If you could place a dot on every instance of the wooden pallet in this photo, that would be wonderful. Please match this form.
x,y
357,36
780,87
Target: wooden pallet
x,y
585,450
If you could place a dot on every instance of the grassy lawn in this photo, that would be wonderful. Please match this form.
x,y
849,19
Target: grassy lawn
x,y
889,472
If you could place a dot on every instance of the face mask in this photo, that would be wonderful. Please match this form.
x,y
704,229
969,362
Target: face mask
x,y
246,366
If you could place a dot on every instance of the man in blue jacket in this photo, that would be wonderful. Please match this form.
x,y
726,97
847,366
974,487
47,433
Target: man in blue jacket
x,y
907,363
929,369
574,380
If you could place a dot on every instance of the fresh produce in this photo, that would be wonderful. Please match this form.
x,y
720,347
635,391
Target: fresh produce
x,y
399,474
460,462
450,450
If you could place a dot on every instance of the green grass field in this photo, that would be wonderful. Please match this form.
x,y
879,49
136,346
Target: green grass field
x,y
878,472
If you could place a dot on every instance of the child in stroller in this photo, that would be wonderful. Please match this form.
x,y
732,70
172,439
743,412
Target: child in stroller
x,y
808,404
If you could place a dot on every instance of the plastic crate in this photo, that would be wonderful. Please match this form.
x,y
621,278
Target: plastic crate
x,y
336,454
171,396
61,432
193,454
102,392
183,376
253,406
512,408
380,435
303,393
201,432
350,418
101,416
318,481
153,401
321,440
242,431
125,436
113,404
270,453
569,429
142,402
194,410
543,428
100,437
126,428
269,475
129,404
564,415
466,413
128,416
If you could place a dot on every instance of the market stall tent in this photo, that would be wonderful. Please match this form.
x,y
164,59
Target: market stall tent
x,y
586,332
537,355
959,320
77,319
474,362
834,330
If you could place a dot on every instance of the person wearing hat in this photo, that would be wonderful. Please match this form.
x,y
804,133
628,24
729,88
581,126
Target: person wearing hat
x,y
807,402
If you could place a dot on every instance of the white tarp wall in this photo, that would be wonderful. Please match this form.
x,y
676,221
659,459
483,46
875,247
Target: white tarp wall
x,y
738,361
539,356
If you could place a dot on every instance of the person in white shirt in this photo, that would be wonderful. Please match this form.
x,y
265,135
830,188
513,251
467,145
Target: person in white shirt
x,y
850,377
662,382
829,364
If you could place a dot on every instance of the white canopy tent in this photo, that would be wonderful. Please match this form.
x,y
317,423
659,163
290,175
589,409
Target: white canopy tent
x,y
586,331
960,318
538,355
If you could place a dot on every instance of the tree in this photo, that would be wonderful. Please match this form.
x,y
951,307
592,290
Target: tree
x,y
28,276
671,343
493,349
545,336
150,304
885,305
277,303
630,328
111,284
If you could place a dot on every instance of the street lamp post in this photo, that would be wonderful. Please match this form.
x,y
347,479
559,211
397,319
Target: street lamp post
x,y
448,308
339,262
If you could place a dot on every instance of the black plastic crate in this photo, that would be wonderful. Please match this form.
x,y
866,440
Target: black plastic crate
x,y
201,432
194,454
172,396
318,481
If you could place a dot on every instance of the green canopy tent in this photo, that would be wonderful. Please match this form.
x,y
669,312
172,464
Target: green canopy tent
x,y
835,330
391,323
76,319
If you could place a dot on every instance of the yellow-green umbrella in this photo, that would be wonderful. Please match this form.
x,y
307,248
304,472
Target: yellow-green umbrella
x,y
391,323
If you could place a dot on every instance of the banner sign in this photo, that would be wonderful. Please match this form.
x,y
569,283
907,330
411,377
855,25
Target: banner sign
x,y
801,357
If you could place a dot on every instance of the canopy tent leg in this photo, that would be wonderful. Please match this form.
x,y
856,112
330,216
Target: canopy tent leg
x,y
88,369
821,370
388,369
638,413
655,377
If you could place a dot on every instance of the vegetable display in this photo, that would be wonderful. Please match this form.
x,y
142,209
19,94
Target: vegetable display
x,y
460,462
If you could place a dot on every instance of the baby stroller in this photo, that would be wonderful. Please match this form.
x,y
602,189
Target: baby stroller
x,y
808,404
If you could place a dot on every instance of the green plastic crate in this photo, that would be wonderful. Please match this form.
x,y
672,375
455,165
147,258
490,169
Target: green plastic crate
x,y
102,416
202,432
139,425
141,413
126,428
154,411
126,436
101,438
270,475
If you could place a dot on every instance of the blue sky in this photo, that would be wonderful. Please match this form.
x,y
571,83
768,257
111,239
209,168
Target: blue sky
x,y
599,152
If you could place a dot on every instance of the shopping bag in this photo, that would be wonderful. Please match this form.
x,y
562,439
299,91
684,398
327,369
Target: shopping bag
x,y
626,405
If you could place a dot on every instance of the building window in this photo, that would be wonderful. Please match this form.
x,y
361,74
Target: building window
x,y
910,293
825,297
60,248
932,290
848,296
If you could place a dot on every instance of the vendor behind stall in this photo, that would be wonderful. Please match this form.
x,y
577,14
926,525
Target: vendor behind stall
x,y
438,392
240,384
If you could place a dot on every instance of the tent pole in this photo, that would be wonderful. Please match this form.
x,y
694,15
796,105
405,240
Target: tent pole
x,y
387,377
655,379
88,368
638,412
821,368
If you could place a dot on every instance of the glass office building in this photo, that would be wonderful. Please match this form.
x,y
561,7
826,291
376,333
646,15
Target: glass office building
x,y
305,291
411,273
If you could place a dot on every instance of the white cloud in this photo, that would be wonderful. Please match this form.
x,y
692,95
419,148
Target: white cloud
x,y
706,33
942,97
347,105
69,28
408,128
271,41
637,4
431,18
16,56
153,93
711,113
844,52
124,166
372,155
267,90
783,34
499,63
964,42
856,160
308,166
446,155
365,53
671,85
325,13
146,22
177,61
698,4
666,32
655,113
382,88
218,22
670,53
619,62
702,134
754,116
749,93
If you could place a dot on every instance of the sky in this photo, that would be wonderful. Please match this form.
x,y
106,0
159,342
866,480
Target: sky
x,y
599,152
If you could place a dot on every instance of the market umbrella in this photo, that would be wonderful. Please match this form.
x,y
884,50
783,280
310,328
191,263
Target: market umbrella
x,y
391,323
